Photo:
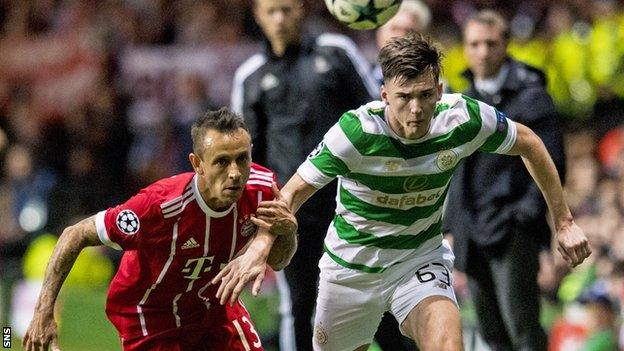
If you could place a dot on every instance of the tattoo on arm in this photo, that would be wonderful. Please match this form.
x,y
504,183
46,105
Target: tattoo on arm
x,y
282,251
70,244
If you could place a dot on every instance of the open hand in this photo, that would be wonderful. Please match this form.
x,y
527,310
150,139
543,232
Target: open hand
x,y
42,332
250,266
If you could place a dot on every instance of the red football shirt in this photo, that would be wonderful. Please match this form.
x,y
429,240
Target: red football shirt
x,y
174,245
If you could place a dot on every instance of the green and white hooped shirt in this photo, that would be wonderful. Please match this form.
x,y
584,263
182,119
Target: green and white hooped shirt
x,y
391,190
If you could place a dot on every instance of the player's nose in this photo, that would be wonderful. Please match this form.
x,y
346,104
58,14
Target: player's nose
x,y
234,172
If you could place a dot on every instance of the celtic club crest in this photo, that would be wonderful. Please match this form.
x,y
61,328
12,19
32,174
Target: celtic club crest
x,y
446,160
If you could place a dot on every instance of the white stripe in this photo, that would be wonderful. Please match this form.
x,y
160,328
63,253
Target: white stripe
x,y
245,70
259,196
268,174
510,139
177,205
261,177
177,199
234,225
241,334
175,309
100,227
311,175
381,229
340,146
372,256
159,279
207,236
181,209
360,64
142,319
259,182
189,287
287,323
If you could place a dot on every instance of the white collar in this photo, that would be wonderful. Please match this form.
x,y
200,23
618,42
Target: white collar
x,y
204,206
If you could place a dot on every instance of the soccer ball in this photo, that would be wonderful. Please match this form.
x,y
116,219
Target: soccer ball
x,y
363,14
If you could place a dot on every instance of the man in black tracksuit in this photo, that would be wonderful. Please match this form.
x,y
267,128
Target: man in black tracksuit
x,y
495,212
290,95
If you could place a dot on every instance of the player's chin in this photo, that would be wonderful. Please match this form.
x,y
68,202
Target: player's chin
x,y
232,193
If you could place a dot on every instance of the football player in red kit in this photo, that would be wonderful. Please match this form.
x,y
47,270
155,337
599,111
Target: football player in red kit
x,y
177,234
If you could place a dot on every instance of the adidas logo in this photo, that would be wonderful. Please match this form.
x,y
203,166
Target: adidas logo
x,y
190,244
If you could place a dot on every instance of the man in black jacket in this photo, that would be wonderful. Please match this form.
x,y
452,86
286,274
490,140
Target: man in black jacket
x,y
290,95
495,212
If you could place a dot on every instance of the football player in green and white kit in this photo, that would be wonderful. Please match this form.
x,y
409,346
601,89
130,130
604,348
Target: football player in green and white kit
x,y
394,159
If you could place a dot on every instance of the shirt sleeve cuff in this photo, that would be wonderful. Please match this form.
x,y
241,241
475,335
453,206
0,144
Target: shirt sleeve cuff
x,y
101,231
312,175
510,140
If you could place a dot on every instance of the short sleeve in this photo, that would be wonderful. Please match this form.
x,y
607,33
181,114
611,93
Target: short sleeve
x,y
331,158
132,224
500,131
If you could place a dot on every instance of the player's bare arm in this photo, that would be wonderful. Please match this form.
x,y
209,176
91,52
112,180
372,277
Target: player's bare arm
x,y
573,244
42,331
266,247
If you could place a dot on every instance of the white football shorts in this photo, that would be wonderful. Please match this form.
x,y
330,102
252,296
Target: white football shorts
x,y
350,303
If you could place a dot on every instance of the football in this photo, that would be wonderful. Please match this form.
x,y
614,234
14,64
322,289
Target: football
x,y
363,14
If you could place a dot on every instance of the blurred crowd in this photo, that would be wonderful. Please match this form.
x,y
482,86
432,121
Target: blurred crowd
x,y
97,99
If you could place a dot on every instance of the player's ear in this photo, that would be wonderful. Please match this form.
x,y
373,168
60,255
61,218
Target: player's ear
x,y
384,94
196,163
440,90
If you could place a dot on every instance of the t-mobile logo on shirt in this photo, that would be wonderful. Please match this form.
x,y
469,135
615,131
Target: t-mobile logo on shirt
x,y
197,266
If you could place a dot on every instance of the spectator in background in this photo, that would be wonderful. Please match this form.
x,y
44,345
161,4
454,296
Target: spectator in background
x,y
413,15
499,225
23,213
290,95
601,316
191,98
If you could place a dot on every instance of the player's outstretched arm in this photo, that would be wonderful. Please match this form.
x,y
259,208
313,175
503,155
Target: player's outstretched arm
x,y
42,331
573,244
275,241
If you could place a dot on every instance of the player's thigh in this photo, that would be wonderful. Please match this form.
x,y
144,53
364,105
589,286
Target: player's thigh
x,y
435,324
424,277
346,316
426,287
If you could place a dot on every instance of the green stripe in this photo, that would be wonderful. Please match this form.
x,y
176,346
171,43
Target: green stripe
x,y
439,108
495,140
360,267
388,215
348,233
329,164
381,145
403,184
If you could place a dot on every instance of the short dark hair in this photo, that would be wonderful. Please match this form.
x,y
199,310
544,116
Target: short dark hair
x,y
491,18
408,57
222,120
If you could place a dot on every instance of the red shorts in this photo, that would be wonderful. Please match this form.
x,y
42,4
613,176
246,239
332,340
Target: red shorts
x,y
236,334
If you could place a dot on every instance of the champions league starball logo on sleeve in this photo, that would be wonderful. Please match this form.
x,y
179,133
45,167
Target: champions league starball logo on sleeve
x,y
128,222
317,150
